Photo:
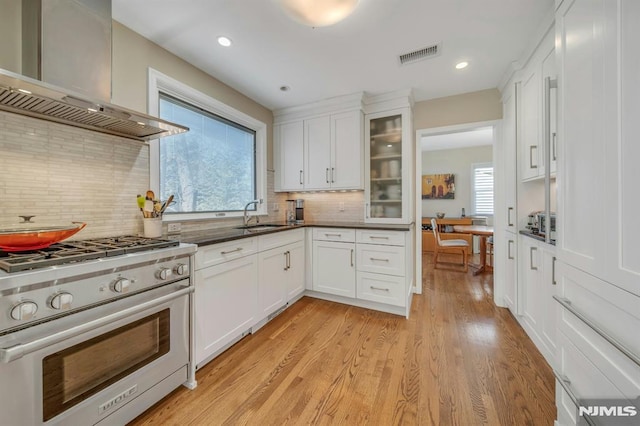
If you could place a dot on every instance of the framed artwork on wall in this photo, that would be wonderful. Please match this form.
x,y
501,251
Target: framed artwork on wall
x,y
438,187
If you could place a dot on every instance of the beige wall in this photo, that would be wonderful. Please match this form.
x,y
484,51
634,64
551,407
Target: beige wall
x,y
133,55
484,105
458,162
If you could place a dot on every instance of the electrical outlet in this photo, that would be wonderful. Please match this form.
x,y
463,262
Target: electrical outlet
x,y
276,207
174,227
341,206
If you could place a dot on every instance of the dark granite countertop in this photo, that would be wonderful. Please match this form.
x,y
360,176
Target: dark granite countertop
x,y
221,235
536,236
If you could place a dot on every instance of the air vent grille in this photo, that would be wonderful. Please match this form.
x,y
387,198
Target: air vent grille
x,y
420,54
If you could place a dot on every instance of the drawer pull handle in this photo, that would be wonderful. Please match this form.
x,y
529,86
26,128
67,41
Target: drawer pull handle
x,y
376,259
531,250
333,235
531,148
566,303
566,385
352,257
375,237
231,251
379,288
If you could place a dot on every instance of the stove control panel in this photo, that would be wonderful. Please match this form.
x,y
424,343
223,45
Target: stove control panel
x,y
42,300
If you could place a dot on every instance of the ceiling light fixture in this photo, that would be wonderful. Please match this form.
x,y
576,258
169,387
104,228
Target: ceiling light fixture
x,y
318,13
224,41
461,65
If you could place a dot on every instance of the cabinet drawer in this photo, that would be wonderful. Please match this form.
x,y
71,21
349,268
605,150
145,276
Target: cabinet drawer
x,y
381,288
379,259
279,239
368,236
595,366
219,253
334,234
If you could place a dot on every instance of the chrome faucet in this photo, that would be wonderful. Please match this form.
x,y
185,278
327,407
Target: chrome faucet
x,y
246,214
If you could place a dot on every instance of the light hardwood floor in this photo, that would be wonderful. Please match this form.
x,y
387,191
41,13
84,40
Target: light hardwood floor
x,y
459,360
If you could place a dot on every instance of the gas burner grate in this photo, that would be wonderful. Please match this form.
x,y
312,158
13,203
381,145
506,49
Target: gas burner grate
x,y
79,251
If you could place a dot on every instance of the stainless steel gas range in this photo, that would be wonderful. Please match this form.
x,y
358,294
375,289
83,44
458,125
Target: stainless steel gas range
x,y
93,331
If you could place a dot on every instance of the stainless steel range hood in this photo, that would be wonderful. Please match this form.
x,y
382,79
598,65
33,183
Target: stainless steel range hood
x,y
66,62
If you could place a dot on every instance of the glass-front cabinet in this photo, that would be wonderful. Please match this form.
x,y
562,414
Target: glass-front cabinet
x,y
388,162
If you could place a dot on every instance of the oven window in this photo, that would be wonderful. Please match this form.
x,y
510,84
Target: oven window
x,y
74,374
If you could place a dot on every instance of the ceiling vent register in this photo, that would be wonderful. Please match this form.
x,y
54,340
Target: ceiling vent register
x,y
420,54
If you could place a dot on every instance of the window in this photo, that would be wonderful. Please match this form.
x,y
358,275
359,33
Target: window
x,y
482,184
217,167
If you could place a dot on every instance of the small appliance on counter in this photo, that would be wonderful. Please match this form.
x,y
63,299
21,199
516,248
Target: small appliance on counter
x,y
295,211
537,223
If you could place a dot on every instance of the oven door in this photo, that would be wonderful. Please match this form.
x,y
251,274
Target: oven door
x,y
106,363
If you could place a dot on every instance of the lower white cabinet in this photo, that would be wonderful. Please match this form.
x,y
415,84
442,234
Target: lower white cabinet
x,y
281,271
381,288
537,288
334,269
226,299
511,273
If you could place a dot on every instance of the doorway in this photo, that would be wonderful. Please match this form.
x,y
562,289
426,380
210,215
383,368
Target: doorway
x,y
477,145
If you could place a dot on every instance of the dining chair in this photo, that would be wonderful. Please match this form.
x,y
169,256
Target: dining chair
x,y
461,245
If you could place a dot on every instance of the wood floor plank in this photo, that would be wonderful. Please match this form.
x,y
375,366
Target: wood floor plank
x,y
458,360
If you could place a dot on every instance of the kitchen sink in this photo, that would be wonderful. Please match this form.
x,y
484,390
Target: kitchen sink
x,y
260,227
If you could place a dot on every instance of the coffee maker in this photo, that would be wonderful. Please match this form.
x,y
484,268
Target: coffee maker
x,y
295,212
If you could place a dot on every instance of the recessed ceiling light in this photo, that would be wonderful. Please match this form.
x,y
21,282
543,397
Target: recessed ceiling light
x,y
285,88
461,65
224,41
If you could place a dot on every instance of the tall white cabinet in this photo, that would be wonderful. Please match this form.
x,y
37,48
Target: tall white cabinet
x,y
599,269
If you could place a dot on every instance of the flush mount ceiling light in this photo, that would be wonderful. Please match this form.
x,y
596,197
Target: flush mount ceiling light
x,y
461,65
224,41
318,13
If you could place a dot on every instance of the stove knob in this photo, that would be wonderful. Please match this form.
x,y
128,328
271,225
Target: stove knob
x,y
181,269
24,311
61,301
121,285
164,273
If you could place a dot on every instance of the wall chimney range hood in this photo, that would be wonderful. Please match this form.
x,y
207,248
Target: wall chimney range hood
x,y
66,71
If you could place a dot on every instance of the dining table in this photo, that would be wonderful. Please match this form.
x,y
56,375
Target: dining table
x,y
483,232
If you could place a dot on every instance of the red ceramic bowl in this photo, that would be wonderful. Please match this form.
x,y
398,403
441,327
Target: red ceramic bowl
x,y
23,238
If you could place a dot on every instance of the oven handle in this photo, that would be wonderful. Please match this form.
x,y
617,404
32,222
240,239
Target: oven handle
x,y
21,349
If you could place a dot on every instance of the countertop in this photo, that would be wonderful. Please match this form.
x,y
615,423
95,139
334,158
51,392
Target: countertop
x,y
536,236
221,235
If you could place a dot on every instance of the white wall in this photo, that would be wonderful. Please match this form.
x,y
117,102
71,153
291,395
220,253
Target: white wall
x,y
458,162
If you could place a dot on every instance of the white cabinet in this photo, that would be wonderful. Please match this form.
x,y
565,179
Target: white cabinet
x,y
272,289
509,159
226,298
289,143
281,270
388,166
537,279
511,273
587,84
334,269
538,116
531,147
319,149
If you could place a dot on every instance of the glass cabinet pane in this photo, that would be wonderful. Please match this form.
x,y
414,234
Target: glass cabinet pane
x,y
386,167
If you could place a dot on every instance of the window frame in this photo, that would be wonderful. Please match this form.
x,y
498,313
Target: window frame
x,y
474,167
159,82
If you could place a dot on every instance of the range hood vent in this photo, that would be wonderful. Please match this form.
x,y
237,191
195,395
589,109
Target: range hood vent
x,y
25,96
66,71
420,54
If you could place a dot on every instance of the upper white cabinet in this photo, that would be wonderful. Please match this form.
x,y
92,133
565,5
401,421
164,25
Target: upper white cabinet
x,y
389,195
538,115
289,140
588,116
319,146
